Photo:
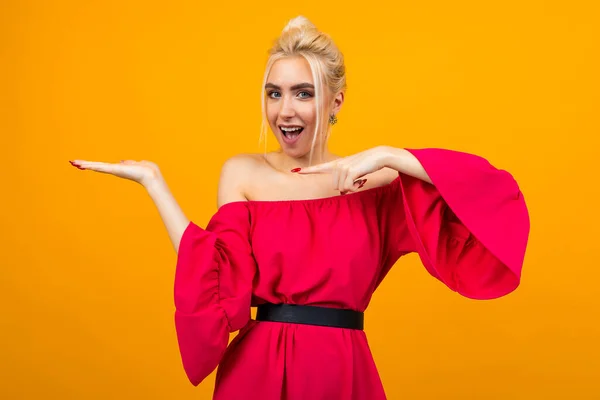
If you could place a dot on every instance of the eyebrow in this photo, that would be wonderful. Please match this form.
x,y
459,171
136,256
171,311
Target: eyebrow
x,y
304,85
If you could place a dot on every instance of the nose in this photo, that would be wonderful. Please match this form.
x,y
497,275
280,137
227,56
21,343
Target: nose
x,y
287,108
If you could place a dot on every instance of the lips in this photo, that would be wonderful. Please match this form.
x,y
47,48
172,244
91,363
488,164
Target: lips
x,y
290,134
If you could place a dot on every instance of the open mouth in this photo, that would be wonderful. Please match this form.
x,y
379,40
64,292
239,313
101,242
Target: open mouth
x,y
291,133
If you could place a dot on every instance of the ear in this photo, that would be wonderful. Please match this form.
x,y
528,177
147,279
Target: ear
x,y
336,103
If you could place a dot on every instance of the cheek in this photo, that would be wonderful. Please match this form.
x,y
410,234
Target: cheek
x,y
307,112
271,113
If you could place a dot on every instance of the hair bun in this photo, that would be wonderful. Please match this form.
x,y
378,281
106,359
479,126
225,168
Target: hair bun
x,y
300,22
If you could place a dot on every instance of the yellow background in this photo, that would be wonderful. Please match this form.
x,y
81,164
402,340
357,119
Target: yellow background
x,y
87,268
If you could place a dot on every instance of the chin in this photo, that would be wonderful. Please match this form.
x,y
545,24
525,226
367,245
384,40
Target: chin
x,y
295,150
296,153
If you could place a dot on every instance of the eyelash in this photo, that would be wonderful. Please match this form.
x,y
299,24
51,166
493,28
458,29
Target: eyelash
x,y
272,92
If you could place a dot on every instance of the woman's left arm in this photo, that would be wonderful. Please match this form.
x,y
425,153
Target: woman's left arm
x,y
347,171
403,161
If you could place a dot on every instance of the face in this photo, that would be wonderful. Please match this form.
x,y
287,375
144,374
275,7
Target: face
x,y
291,105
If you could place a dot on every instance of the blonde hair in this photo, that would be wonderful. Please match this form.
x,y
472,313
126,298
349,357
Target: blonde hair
x,y
300,37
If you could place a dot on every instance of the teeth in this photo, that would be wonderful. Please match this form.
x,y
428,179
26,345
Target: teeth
x,y
290,129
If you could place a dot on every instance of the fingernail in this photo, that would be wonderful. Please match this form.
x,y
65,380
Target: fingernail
x,y
76,166
296,169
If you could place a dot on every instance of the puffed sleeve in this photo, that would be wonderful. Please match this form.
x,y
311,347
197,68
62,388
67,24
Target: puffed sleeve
x,y
470,228
213,288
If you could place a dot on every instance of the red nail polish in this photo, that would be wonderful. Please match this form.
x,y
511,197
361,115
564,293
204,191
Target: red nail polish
x,y
296,169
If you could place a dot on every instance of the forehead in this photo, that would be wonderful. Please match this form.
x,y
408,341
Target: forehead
x,y
290,70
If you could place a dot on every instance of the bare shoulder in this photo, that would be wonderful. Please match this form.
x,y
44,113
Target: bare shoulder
x,y
236,172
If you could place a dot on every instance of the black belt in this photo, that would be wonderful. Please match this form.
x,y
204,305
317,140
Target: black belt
x,y
311,315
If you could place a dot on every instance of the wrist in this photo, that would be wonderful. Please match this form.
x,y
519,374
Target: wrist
x,y
394,157
155,185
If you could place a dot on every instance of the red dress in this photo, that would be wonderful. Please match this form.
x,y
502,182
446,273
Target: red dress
x,y
470,229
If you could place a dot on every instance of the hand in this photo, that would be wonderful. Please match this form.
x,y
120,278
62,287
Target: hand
x,y
348,171
142,172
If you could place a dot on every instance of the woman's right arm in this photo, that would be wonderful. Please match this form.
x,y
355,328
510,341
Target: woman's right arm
x,y
147,174
234,175
169,210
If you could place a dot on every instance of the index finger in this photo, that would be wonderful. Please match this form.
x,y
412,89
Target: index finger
x,y
315,169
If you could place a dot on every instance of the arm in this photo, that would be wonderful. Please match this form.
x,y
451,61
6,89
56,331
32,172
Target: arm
x,y
169,210
147,174
403,161
234,173
347,171
470,227
233,177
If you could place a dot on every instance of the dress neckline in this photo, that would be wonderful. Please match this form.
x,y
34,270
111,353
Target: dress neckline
x,y
317,200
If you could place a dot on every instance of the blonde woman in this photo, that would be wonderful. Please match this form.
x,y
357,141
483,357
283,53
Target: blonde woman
x,y
307,237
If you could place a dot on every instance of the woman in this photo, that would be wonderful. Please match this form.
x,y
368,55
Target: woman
x,y
308,236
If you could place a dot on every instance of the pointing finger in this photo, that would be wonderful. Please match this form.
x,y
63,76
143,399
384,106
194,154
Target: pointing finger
x,y
315,169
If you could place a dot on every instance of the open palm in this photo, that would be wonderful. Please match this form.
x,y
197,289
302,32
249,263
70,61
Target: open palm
x,y
142,172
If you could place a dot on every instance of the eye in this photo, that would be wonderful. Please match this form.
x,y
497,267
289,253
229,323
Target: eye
x,y
271,93
308,94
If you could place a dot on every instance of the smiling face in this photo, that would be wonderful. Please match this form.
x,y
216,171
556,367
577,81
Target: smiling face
x,y
291,107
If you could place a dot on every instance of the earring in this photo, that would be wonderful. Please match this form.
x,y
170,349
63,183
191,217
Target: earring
x,y
332,119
